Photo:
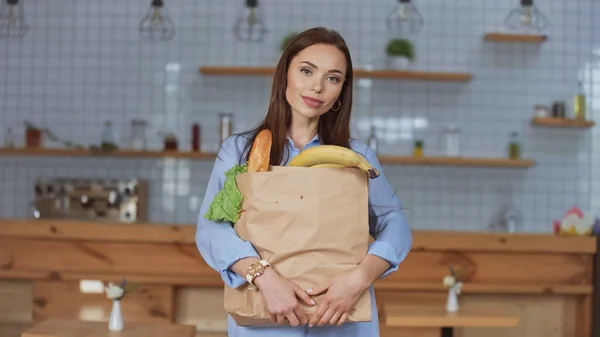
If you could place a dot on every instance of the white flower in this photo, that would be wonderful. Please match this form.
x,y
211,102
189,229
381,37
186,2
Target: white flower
x,y
457,288
114,291
449,281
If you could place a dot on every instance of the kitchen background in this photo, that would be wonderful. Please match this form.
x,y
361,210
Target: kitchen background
x,y
83,63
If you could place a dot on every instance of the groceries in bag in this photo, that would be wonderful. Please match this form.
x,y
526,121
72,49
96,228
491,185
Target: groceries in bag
x,y
311,225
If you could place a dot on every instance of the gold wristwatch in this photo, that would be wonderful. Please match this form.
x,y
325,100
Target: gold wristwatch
x,y
255,270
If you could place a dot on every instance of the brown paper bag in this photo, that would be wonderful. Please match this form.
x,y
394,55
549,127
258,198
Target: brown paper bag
x,y
311,224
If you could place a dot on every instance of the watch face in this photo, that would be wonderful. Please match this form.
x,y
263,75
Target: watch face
x,y
256,269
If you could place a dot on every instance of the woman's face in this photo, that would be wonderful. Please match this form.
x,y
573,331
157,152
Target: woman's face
x,y
315,79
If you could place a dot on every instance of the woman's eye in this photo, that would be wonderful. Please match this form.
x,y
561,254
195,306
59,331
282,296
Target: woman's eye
x,y
309,72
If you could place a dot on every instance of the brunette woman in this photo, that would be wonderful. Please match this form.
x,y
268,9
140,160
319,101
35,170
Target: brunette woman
x,y
311,102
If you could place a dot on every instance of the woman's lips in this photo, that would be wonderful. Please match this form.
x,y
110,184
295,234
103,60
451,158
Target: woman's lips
x,y
312,103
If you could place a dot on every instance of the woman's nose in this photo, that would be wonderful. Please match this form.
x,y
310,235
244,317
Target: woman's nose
x,y
316,85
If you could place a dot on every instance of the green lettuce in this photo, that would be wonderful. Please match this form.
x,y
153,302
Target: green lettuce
x,y
227,204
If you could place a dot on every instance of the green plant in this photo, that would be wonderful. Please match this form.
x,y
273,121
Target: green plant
x,y
286,39
400,47
30,126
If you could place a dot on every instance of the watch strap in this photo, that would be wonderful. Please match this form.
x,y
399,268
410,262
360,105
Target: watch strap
x,y
250,276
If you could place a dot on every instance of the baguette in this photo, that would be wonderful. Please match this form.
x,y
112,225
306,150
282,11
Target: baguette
x,y
260,153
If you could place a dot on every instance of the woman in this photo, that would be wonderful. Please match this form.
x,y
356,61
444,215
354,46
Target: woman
x,y
310,104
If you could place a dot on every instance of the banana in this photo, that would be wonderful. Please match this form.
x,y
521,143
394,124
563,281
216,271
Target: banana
x,y
333,154
329,165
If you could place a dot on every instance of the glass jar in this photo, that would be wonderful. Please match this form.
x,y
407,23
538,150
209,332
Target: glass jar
x,y
138,134
170,142
108,137
542,111
452,140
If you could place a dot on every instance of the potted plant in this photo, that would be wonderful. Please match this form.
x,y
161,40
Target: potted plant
x,y
286,39
400,53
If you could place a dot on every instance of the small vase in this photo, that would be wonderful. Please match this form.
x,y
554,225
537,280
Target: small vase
x,y
452,301
115,322
399,62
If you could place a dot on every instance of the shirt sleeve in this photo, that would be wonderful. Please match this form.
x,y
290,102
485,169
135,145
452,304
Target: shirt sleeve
x,y
218,243
387,224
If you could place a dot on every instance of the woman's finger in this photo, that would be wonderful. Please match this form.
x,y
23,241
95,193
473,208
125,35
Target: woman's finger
x,y
343,319
321,309
280,319
303,295
318,289
301,315
292,319
336,316
327,317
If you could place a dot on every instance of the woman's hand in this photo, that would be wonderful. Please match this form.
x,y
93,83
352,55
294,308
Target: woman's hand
x,y
343,293
281,298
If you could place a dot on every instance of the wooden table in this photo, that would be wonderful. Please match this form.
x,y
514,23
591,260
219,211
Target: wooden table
x,y
427,317
73,328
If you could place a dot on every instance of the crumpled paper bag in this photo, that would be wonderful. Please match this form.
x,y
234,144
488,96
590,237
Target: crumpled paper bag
x,y
311,224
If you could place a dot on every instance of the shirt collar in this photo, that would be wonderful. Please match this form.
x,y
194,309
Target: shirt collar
x,y
315,141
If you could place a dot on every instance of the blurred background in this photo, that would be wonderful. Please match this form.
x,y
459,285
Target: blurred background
x,y
85,72
482,112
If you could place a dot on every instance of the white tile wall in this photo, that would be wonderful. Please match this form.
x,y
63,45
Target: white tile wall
x,y
82,63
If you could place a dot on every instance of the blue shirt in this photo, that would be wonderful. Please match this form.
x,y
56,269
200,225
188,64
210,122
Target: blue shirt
x,y
221,247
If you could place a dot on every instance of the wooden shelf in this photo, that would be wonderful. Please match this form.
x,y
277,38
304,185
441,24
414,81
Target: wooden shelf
x,y
358,73
44,152
458,161
561,123
519,38
392,160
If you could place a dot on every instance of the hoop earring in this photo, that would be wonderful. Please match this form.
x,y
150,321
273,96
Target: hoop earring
x,y
339,106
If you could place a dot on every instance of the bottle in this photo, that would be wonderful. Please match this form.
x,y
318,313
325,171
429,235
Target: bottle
x,y
418,149
196,137
373,141
579,105
226,125
9,138
514,147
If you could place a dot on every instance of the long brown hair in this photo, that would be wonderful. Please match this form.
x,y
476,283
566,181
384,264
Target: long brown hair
x,y
334,126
